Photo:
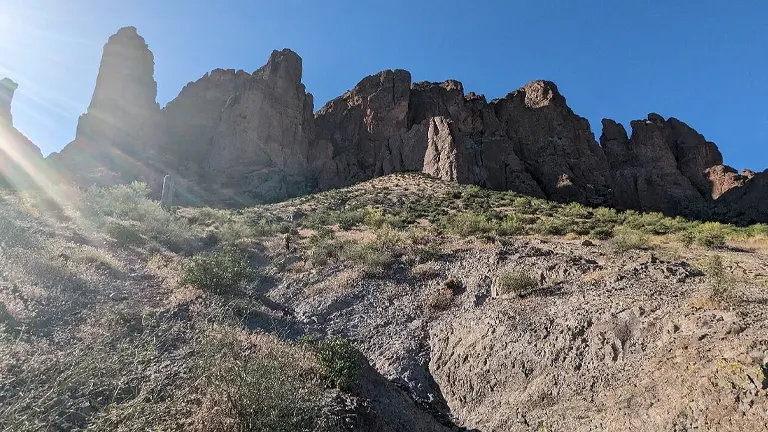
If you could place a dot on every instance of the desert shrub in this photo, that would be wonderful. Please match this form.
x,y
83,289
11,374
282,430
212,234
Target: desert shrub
x,y
130,206
466,224
515,282
711,234
554,226
127,201
219,272
440,299
513,224
427,271
339,362
720,284
323,247
255,383
607,215
686,237
601,233
373,217
575,210
123,233
625,239
349,220
378,255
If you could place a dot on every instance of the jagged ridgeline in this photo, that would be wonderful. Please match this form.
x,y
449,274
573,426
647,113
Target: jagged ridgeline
x,y
235,138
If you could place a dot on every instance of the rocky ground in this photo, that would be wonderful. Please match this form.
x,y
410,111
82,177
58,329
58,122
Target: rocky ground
x,y
464,322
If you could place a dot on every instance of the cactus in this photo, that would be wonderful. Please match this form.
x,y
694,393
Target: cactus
x,y
168,188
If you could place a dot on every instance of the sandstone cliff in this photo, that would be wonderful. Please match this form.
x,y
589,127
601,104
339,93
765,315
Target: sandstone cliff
x,y
233,138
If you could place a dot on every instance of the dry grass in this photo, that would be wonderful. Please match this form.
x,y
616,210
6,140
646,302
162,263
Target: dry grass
x,y
426,271
339,283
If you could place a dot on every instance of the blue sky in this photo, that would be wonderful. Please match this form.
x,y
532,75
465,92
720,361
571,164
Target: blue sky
x,y
704,62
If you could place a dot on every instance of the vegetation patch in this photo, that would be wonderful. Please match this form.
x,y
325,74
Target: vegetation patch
x,y
516,282
221,271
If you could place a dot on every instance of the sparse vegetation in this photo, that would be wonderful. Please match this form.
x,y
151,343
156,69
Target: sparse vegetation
x,y
516,282
440,299
94,334
221,271
720,284
626,239
339,362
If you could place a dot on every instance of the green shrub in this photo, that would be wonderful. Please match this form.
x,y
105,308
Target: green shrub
x,y
625,239
338,359
720,283
373,217
349,220
124,233
466,224
218,272
554,226
515,282
601,233
607,215
513,224
711,234
686,238
575,210
260,384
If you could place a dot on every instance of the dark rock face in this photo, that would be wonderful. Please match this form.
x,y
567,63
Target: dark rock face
x,y
234,138
117,138
645,171
558,147
21,162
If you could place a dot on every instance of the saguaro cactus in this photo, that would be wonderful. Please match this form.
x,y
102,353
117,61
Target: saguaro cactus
x,y
168,188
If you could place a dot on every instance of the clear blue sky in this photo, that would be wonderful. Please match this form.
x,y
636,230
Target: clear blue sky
x,y
704,62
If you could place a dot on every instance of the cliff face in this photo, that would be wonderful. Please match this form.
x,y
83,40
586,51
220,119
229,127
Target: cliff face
x,y
234,138
117,138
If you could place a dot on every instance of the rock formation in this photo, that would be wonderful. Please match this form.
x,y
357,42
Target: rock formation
x,y
7,89
117,137
20,160
234,138
243,137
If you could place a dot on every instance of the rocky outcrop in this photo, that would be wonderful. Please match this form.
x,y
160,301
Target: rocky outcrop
x,y
21,162
7,89
117,138
242,137
358,129
191,117
645,171
234,138
558,147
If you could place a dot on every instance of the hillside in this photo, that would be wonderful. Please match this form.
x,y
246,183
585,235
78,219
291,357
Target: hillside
x,y
403,303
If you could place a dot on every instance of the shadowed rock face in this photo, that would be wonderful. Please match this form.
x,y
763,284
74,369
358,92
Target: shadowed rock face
x,y
233,138
117,137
